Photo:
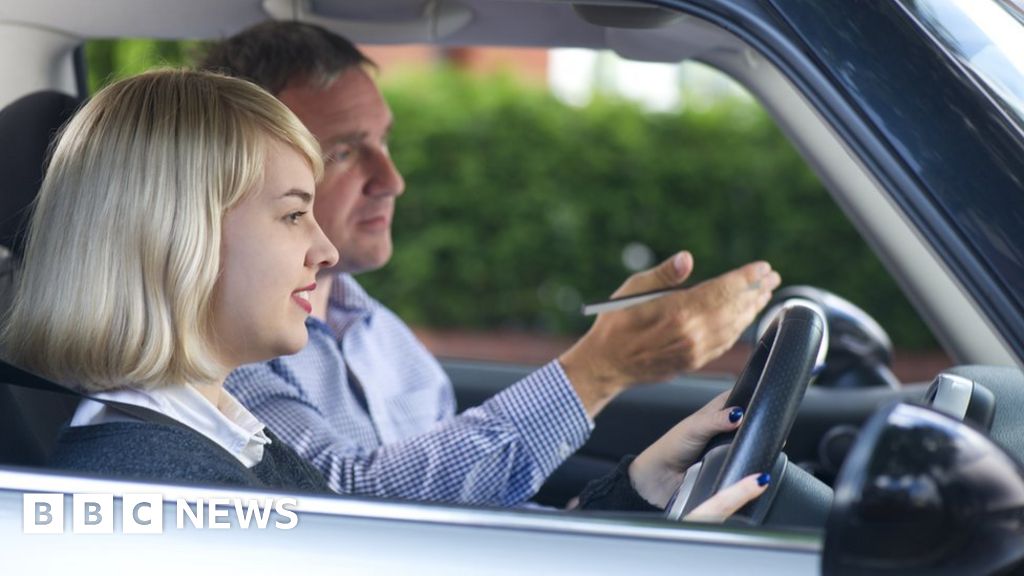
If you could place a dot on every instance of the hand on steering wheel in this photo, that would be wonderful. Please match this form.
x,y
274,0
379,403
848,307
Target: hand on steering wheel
x,y
658,470
771,387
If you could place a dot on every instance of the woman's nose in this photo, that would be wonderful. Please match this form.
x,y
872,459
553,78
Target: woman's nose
x,y
322,253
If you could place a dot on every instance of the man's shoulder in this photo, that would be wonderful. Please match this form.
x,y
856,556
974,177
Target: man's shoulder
x,y
277,377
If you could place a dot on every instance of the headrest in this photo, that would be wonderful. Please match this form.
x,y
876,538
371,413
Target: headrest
x,y
27,126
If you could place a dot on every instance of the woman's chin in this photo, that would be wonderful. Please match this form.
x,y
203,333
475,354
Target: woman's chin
x,y
294,344
284,345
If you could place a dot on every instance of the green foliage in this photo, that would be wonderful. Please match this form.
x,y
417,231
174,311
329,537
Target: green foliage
x,y
108,60
518,207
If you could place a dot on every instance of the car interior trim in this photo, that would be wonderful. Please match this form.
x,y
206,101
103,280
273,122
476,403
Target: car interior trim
x,y
952,395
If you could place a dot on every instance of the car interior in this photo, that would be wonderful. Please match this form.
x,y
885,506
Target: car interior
x,y
29,417
985,389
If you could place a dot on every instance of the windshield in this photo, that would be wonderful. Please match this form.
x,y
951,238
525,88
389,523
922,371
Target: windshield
x,y
987,36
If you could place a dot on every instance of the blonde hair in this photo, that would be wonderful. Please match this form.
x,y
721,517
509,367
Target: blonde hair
x,y
124,244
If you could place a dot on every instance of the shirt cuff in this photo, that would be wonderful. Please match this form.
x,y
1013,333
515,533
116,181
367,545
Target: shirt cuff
x,y
548,414
615,491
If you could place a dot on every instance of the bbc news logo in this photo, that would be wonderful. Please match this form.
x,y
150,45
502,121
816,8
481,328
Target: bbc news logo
x,y
144,513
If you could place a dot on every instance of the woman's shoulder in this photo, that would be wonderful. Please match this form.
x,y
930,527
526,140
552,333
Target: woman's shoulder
x,y
282,466
144,450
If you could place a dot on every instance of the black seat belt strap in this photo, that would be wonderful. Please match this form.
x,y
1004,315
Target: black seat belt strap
x,y
13,376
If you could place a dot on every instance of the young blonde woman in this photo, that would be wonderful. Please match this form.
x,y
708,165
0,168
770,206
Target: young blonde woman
x,y
173,241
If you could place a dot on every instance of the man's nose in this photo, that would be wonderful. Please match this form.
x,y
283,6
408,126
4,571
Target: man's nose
x,y
386,180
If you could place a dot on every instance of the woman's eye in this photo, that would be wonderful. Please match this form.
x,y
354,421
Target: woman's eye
x,y
294,217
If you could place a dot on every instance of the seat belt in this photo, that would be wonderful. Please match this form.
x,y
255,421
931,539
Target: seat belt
x,y
13,376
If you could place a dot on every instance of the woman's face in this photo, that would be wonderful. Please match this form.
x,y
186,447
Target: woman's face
x,y
271,251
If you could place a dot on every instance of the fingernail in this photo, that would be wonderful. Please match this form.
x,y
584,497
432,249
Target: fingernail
x,y
680,262
763,268
764,479
735,414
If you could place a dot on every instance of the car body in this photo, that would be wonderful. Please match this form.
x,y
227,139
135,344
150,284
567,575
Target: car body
x,y
921,147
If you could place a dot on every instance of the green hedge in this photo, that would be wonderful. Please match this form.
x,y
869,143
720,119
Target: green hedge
x,y
518,206
110,59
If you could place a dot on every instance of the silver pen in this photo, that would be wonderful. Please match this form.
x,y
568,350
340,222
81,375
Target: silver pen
x,y
627,301
633,299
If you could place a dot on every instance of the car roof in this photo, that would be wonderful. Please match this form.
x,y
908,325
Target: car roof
x,y
633,29
513,23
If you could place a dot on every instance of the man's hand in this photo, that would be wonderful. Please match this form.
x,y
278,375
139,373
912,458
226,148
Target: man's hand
x,y
653,341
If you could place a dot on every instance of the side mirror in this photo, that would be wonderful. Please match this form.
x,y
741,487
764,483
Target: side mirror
x,y
922,493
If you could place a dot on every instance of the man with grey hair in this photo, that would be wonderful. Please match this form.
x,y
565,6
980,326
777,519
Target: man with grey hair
x,y
365,402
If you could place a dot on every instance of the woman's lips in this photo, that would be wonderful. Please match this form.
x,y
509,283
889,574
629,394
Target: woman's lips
x,y
301,297
303,302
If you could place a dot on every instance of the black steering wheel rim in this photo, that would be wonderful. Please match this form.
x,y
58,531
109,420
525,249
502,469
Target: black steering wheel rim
x,y
770,388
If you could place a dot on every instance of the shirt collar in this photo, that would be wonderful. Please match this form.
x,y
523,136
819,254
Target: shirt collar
x,y
348,295
229,424
348,304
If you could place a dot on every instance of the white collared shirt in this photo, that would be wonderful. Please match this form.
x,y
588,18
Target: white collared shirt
x,y
229,424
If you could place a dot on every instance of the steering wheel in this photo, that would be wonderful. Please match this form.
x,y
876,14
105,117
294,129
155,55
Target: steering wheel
x,y
770,388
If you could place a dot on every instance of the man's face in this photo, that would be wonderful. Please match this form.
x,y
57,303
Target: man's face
x,y
355,201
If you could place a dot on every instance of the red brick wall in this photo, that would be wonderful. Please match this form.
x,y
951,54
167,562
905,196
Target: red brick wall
x,y
529,64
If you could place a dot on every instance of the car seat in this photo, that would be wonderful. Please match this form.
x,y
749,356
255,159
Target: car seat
x,y
29,419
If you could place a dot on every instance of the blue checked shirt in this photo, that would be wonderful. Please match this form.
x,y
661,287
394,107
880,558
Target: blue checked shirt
x,y
372,409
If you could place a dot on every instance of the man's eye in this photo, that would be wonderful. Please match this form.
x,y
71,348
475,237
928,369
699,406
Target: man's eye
x,y
338,156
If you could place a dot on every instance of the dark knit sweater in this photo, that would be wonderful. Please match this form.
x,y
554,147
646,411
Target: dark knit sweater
x,y
614,491
164,453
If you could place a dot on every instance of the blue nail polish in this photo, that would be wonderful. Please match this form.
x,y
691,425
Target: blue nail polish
x,y
764,479
735,415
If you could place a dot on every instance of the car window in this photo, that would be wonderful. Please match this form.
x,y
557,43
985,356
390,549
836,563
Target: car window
x,y
529,205
532,190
